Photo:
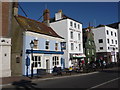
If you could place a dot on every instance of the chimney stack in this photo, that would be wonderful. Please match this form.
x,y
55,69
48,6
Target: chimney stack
x,y
15,8
46,17
58,15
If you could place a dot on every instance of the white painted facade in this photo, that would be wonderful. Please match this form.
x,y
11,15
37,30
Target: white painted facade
x,y
119,38
63,28
109,40
5,57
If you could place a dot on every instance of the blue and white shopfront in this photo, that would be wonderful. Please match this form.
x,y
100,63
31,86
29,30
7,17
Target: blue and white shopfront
x,y
45,54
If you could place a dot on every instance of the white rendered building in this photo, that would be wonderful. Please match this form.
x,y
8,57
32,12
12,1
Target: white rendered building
x,y
106,41
5,57
71,30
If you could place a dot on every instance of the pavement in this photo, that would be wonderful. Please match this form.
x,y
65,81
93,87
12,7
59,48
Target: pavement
x,y
9,80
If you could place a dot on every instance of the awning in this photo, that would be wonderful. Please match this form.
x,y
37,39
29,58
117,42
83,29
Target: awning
x,y
44,52
79,55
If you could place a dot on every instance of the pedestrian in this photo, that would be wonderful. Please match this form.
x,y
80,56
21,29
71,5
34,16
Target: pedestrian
x,y
70,69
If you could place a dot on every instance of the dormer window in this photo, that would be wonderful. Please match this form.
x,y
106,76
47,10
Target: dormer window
x,y
56,46
35,44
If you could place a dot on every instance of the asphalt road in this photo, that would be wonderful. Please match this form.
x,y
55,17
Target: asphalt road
x,y
103,79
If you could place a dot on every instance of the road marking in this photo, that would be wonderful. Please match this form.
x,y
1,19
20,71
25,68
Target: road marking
x,y
103,83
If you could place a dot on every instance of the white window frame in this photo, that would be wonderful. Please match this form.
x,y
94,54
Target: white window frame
x,y
47,45
37,61
55,61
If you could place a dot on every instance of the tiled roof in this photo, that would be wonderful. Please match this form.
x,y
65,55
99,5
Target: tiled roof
x,y
63,17
35,26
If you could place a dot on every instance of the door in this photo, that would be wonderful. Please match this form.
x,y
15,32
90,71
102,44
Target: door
x,y
47,65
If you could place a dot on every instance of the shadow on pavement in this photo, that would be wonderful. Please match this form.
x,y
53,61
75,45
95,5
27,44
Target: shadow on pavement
x,y
24,85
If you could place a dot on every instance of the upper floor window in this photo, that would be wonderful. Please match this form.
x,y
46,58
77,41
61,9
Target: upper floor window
x,y
72,46
100,40
101,48
35,44
56,46
108,41
71,34
47,45
107,32
111,33
112,41
115,34
79,47
75,25
71,23
116,41
78,26
78,36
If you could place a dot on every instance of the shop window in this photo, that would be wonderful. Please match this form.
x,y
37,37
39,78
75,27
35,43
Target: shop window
x,y
36,61
55,60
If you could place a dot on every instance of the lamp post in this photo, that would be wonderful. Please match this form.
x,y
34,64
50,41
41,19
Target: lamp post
x,y
31,45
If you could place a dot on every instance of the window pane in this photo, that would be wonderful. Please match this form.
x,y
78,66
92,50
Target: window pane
x,y
39,58
35,64
35,58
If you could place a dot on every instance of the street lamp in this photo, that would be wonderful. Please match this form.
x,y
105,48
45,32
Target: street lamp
x,y
32,45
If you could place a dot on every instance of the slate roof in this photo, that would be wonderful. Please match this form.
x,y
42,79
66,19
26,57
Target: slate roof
x,y
114,25
35,26
63,17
